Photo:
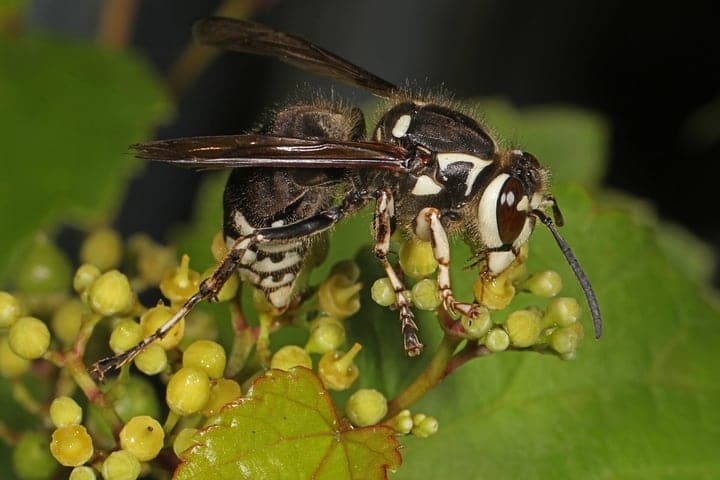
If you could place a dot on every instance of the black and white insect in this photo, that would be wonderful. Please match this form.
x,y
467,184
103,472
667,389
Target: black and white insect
x,y
429,169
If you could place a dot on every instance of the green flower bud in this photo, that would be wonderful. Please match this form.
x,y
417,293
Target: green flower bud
x,y
497,340
339,296
180,283
523,327
71,445
424,425
337,369
222,392
150,259
156,317
402,422
495,293
132,396
29,338
546,284
416,258
347,268
126,334
290,356
366,407
82,473
188,391
31,458
43,269
382,292
85,276
562,312
143,436
11,364
67,320
206,355
479,326
326,336
102,248
566,340
426,295
10,309
65,411
111,294
152,360
121,465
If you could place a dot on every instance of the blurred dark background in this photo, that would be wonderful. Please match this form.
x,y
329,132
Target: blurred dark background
x,y
650,68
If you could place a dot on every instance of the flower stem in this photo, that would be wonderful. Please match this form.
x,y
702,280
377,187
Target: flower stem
x,y
433,374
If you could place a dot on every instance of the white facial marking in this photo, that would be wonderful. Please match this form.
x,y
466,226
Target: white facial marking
x,y
487,212
401,126
524,233
267,265
425,186
523,204
281,297
478,164
378,134
499,261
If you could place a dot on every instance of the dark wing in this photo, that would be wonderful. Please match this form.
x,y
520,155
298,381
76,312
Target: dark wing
x,y
235,151
249,37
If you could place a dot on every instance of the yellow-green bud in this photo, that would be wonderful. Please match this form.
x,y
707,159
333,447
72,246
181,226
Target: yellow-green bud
x,y
366,407
347,268
31,458
478,326
229,289
12,365
65,411
111,294
152,360
416,258
156,317
402,422
121,465
188,391
218,247
337,369
29,337
102,248
150,259
566,340
547,283
206,355
184,440
325,336
43,268
523,327
82,473
426,295
339,296
10,309
71,445
126,334
382,292
222,392
290,356
67,320
180,283
494,293
562,312
424,425
497,340
143,436
85,276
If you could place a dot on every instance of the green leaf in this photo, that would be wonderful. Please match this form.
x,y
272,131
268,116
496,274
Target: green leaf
x,y
639,403
287,427
70,110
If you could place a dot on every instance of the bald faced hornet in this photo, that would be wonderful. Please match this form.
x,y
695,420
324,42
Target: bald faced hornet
x,y
429,168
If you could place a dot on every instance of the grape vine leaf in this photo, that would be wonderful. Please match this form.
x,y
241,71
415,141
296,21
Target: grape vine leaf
x,y
287,427
70,110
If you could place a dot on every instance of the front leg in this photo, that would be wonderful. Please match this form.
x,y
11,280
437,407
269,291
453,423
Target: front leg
x,y
382,226
429,227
